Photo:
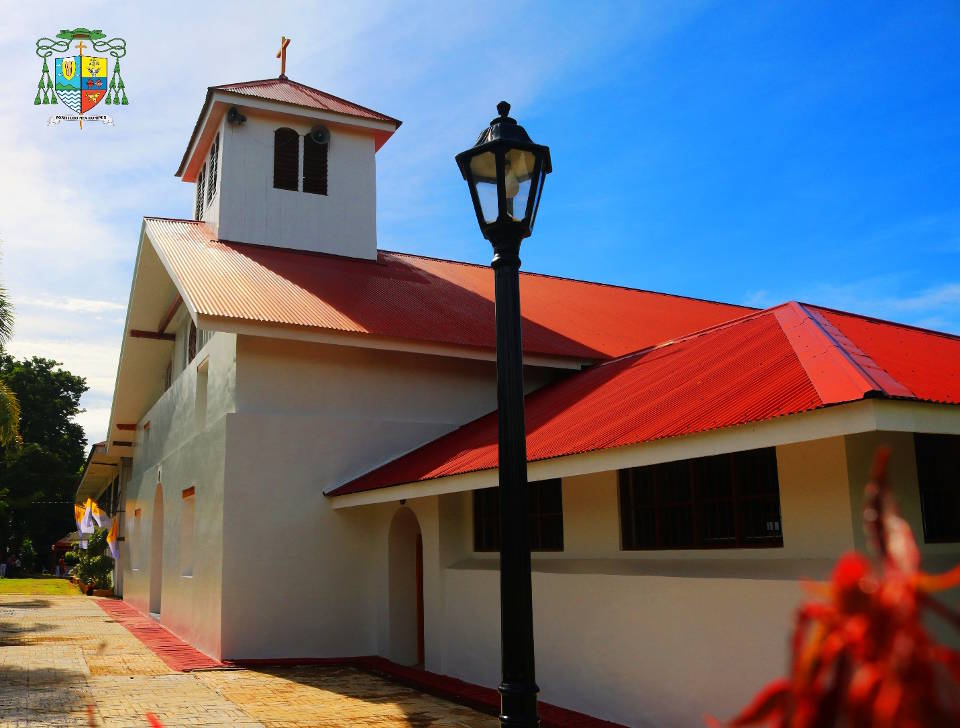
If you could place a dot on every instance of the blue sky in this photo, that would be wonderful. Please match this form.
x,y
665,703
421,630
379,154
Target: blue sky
x,y
746,152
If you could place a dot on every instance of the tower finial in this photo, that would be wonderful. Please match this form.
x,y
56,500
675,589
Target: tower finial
x,y
282,55
503,108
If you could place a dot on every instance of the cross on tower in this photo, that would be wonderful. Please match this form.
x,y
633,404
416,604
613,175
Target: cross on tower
x,y
282,55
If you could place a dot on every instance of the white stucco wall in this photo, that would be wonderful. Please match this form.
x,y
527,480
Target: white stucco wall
x,y
248,209
178,456
310,416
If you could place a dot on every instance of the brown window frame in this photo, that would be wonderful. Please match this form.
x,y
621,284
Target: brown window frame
x,y
701,503
937,486
486,517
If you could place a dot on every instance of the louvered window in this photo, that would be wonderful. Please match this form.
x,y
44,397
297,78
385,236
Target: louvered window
x,y
190,350
315,148
214,159
938,474
286,159
546,517
724,501
198,210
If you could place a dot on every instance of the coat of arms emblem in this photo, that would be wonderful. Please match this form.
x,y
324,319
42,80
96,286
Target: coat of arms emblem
x,y
80,79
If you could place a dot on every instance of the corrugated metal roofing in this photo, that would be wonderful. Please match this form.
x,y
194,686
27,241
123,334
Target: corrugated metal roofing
x,y
416,298
927,362
290,92
776,362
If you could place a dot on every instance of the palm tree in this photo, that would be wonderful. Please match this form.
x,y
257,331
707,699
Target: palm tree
x,y
9,406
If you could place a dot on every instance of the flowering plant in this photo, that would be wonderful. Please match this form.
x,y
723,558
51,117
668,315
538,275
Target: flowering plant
x,y
861,657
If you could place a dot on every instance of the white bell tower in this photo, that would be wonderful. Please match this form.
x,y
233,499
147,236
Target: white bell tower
x,y
275,162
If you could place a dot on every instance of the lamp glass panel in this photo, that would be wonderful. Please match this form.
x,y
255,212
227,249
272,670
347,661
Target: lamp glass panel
x,y
483,173
536,202
518,171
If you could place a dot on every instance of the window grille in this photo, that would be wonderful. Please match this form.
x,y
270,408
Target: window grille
x,y
724,501
546,517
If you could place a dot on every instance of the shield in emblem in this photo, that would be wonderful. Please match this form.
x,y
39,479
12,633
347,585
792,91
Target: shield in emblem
x,y
68,82
93,81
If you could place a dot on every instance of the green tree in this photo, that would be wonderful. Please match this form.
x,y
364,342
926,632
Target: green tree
x,y
9,407
40,476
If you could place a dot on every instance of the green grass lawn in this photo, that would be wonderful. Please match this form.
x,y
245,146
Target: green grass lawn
x,y
47,586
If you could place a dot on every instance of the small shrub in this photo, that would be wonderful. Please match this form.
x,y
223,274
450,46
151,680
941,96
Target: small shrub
x,y
92,565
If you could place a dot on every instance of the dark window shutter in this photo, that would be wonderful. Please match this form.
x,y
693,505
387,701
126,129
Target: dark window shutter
x,y
286,159
192,342
199,205
315,165
214,157
938,473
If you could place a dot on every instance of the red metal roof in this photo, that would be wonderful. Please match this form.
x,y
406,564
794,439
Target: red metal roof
x,y
785,360
284,90
416,298
926,362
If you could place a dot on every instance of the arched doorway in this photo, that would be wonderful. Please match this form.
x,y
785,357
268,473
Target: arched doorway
x,y
405,558
156,552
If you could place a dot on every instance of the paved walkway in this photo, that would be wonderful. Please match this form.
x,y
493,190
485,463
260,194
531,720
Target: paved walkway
x,y
65,662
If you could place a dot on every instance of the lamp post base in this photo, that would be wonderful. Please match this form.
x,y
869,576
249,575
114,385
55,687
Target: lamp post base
x,y
518,705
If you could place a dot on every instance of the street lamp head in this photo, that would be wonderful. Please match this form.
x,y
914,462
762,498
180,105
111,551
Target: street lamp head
x,y
505,171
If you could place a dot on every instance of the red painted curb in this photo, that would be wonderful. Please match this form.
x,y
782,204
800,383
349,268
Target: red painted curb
x,y
174,652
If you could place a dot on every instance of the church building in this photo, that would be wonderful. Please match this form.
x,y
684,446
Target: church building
x,y
302,441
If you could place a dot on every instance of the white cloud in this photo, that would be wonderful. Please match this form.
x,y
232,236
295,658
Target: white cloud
x,y
63,303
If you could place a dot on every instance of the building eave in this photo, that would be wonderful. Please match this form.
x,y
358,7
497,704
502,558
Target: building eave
x,y
833,421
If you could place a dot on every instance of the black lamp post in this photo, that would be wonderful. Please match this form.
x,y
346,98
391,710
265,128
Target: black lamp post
x,y
505,171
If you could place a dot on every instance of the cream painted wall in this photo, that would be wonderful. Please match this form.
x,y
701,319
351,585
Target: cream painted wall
x,y
250,210
646,638
179,457
814,506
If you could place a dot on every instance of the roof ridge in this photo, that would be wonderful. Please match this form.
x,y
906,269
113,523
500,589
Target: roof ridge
x,y
856,357
876,319
838,374
222,86
751,309
306,87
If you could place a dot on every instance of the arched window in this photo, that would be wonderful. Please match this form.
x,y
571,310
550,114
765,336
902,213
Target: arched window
x,y
199,205
315,145
214,157
286,159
